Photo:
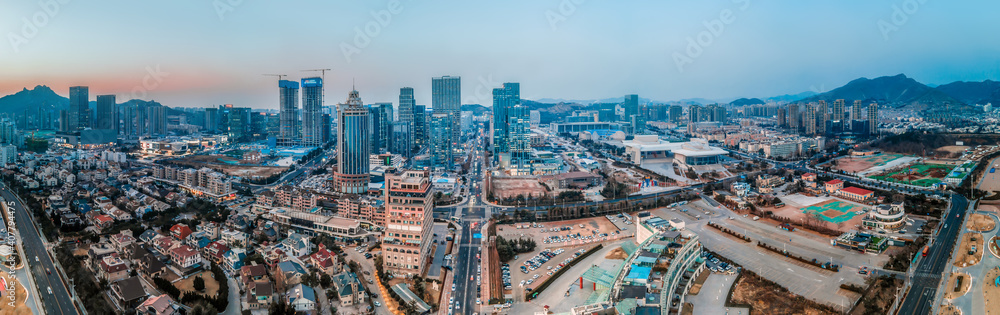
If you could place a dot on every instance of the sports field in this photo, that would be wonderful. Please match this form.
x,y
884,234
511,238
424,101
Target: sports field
x,y
855,164
922,174
833,211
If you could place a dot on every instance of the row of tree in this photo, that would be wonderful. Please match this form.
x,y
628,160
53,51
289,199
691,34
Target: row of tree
x,y
506,249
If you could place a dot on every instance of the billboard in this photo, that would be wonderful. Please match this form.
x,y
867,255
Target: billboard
x,y
312,82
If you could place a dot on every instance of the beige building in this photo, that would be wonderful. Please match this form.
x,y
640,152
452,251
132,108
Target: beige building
x,y
409,219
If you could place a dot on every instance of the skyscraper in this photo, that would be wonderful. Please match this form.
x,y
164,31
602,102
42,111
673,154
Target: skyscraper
x,y
156,118
79,108
288,106
794,117
440,146
107,113
406,111
676,112
822,115
631,105
782,119
380,126
504,100
838,110
446,97
809,118
873,119
856,110
408,214
211,119
312,111
420,125
353,147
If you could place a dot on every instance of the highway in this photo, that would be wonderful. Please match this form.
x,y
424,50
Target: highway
x,y
927,276
43,270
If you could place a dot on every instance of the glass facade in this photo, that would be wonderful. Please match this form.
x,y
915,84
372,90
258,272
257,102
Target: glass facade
x,y
312,111
353,145
288,106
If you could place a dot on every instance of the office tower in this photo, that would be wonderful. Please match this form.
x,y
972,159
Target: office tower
x,y
273,125
107,113
676,112
327,128
64,125
794,117
420,125
822,115
288,107
440,147
258,126
409,221
809,118
782,120
873,119
353,147
211,119
504,100
79,102
133,120
157,120
838,110
606,112
856,110
400,132
312,111
380,126
535,117
446,97
406,112
631,105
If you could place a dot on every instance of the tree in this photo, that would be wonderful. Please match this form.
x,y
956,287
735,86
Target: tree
x,y
325,281
199,284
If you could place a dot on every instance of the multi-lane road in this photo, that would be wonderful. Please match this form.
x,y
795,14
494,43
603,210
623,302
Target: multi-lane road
x,y
43,270
927,276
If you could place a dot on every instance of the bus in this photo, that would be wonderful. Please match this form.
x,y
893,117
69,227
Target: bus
x,y
926,248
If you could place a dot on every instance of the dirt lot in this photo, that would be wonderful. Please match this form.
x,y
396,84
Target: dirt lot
x,y
211,286
981,222
953,149
20,295
698,282
794,211
949,310
215,162
990,181
512,187
991,292
617,253
953,281
766,297
600,224
963,259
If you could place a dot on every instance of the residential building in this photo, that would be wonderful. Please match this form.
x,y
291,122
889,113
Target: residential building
x,y
408,221
288,107
128,293
349,289
440,144
184,256
302,298
312,111
159,305
107,113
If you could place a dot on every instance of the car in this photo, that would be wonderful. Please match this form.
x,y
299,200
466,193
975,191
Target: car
x,y
376,303
370,281
478,301
367,273
49,289
36,258
48,271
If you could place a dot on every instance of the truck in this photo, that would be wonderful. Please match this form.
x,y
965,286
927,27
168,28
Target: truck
x,y
926,248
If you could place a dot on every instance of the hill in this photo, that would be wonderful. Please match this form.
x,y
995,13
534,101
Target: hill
x,y
39,97
973,92
746,101
896,91
476,109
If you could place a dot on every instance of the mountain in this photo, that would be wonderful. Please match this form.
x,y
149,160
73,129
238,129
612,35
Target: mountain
x,y
746,101
790,97
973,92
476,109
39,97
896,91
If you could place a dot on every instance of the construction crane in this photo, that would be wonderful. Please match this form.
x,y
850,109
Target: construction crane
x,y
322,72
280,76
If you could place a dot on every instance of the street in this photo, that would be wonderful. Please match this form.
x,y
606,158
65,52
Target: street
x,y
923,289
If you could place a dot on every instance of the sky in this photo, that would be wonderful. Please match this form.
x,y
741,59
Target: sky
x,y
210,52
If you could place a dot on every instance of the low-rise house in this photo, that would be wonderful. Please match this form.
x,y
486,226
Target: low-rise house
x,y
112,268
297,245
252,273
233,260
128,292
159,305
349,289
302,298
260,294
287,274
180,231
215,252
185,256
324,260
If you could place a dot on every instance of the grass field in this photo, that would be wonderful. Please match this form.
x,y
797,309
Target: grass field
x,y
923,175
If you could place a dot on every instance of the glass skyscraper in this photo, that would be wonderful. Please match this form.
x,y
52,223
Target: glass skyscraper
x,y
288,106
407,109
312,111
440,148
353,145
79,108
446,97
380,127
107,113
511,127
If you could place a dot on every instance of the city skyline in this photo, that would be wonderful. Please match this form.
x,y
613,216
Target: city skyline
x,y
634,53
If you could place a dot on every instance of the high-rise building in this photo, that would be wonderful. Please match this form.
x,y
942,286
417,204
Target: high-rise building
x,y
400,132
809,118
156,118
631,105
873,119
506,110
716,112
794,117
258,126
327,128
407,109
838,110
782,119
535,117
446,97
822,115
79,108
211,119
312,111
288,107
134,119
409,220
107,113
606,112
420,125
856,110
380,126
353,147
440,147
676,112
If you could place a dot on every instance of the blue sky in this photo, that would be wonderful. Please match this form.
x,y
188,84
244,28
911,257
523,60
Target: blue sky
x,y
571,49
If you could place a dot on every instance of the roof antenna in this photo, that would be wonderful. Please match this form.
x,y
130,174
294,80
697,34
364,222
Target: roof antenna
x,y
353,84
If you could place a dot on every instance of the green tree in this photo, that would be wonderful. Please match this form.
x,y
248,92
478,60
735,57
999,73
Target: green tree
x,y
199,284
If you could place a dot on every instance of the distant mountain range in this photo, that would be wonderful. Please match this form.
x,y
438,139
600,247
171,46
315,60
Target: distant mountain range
x,y
39,97
973,92
895,91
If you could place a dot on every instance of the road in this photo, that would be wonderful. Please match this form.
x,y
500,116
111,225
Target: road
x,y
43,270
927,276
299,169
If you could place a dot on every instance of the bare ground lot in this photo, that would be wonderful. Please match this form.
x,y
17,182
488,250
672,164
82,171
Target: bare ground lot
x,y
991,292
950,292
512,187
949,310
962,256
991,181
794,205
766,297
617,253
211,286
981,222
217,162
20,295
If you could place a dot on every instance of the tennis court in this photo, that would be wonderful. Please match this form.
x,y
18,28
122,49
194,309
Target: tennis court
x,y
834,211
